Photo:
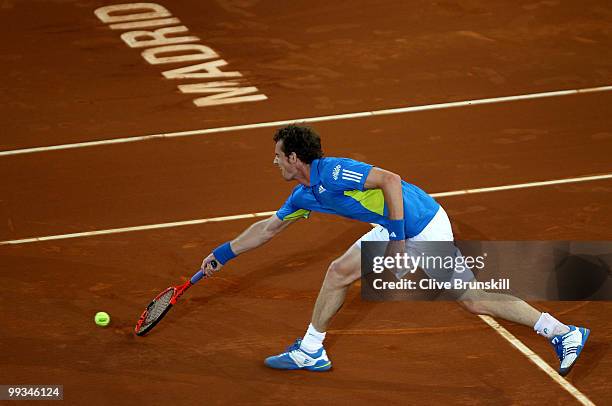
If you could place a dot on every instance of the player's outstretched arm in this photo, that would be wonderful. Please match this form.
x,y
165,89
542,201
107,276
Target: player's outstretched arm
x,y
254,236
258,234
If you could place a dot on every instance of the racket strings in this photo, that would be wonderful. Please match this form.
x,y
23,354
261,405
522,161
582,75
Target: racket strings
x,y
158,306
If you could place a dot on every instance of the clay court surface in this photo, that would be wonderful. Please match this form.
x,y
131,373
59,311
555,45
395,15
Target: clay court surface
x,y
69,78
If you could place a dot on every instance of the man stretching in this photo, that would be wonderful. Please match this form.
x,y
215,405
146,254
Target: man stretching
x,y
403,213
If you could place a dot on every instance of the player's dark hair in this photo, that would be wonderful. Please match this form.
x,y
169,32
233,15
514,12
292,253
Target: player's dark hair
x,y
304,141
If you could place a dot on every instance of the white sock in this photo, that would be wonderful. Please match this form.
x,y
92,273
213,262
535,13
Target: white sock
x,y
313,340
549,327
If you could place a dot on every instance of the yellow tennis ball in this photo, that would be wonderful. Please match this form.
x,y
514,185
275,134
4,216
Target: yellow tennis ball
x,y
102,319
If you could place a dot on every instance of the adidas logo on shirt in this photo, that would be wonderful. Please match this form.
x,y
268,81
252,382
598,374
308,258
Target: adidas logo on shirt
x,y
393,235
336,172
321,189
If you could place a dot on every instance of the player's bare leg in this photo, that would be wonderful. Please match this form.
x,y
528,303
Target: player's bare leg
x,y
505,307
341,273
309,353
567,341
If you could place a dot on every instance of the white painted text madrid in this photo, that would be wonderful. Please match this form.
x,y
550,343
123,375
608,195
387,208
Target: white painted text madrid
x,y
164,40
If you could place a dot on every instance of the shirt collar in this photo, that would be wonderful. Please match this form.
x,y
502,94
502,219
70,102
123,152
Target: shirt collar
x,y
314,172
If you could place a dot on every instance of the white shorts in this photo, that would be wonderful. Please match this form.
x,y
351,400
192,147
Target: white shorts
x,y
438,229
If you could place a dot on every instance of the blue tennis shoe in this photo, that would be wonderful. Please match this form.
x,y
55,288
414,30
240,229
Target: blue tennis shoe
x,y
297,358
568,347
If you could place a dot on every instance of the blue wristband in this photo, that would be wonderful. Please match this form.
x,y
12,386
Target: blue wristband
x,y
224,253
396,230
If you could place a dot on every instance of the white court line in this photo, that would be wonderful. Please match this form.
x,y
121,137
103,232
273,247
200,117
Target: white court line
x,y
269,213
307,120
523,185
535,358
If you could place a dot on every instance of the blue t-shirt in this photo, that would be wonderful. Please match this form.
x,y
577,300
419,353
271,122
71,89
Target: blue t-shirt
x,y
337,188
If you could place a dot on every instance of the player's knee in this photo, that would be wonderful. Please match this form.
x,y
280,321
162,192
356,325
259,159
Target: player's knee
x,y
473,306
474,302
340,274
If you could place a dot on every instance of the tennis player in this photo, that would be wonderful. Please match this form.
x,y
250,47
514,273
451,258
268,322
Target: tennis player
x,y
404,213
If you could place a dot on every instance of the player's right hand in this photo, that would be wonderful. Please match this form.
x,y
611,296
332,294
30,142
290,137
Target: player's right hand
x,y
394,248
210,265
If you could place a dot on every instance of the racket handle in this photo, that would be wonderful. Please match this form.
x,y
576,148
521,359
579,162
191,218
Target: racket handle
x,y
196,277
199,275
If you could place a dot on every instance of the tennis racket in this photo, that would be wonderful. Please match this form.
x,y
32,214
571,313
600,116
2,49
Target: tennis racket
x,y
161,305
